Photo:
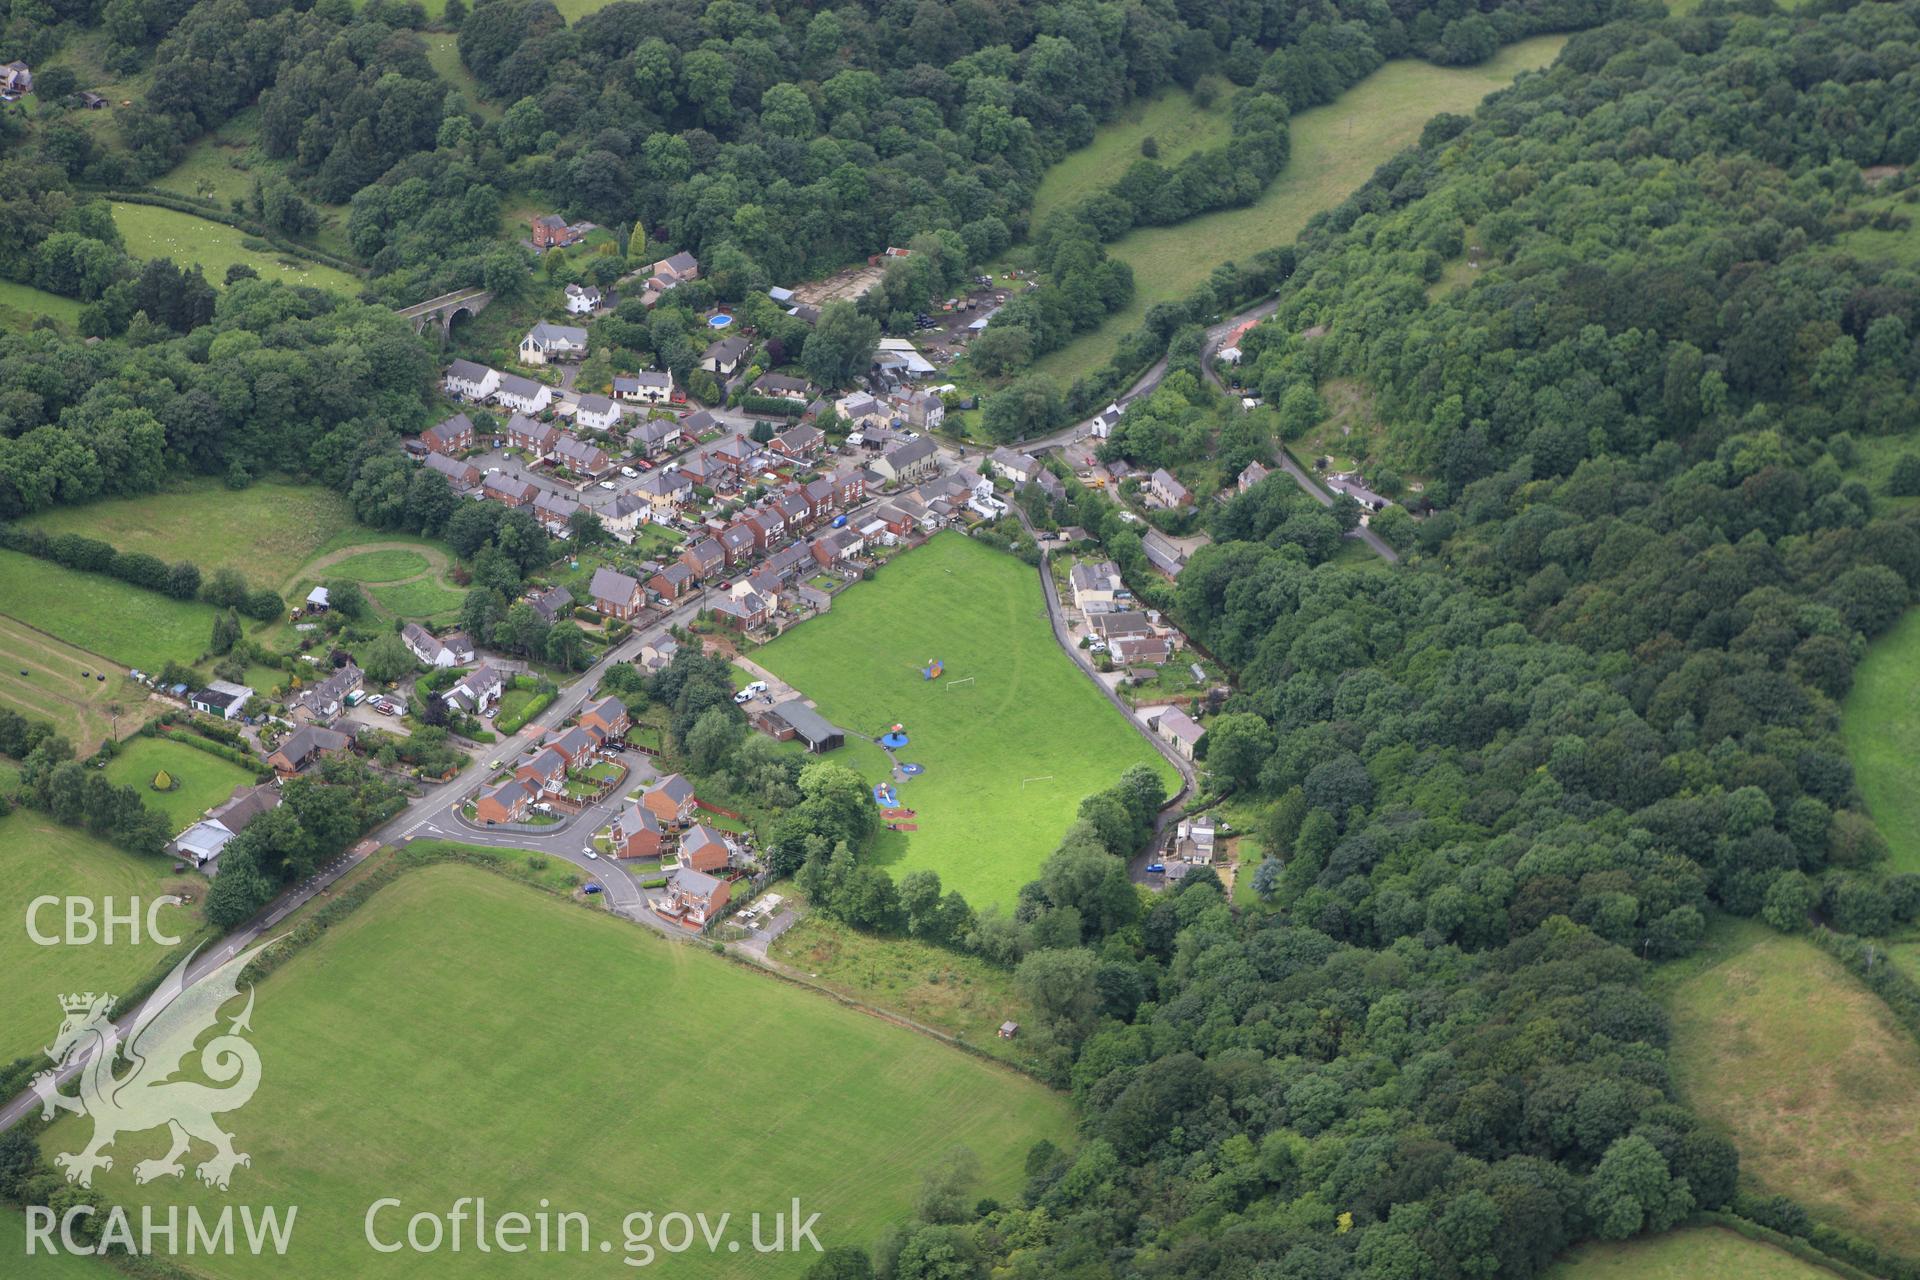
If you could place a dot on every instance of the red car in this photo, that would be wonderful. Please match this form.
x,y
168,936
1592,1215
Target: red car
x,y
726,586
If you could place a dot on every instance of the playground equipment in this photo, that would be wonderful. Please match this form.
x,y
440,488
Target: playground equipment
x,y
894,738
883,795
933,669
911,770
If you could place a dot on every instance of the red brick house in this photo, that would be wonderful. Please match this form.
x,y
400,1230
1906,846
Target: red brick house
x,y
671,799
506,803
615,595
551,231
704,558
546,771
636,833
609,716
703,849
696,896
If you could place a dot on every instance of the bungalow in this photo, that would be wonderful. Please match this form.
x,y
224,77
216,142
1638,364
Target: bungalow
x,y
909,462
523,395
1017,467
697,897
704,558
555,511
664,491
535,437
1140,649
506,803
581,458
636,833
455,435
699,423
608,717
1167,490
779,386
328,698
470,381
461,476
740,613
546,771
509,490
724,357
1251,476
671,799
704,849
204,840
1179,730
1093,584
1354,487
798,442
615,595
659,436
304,746
645,387
222,699
1124,623
671,582
477,692
552,605
1162,554
596,413
551,231
453,651
548,342
582,299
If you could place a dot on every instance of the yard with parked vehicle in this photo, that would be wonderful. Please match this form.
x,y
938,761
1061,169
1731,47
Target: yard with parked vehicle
x,y
1012,736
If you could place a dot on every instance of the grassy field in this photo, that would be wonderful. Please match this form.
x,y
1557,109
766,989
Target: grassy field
x,y
153,232
393,565
1172,119
60,1266
1902,246
38,856
53,688
422,599
22,304
1028,717
1335,149
443,52
205,779
103,615
1692,1253
1881,724
1810,1075
960,994
266,530
684,1092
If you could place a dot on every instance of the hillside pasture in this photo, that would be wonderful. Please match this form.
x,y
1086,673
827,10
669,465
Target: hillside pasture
x,y
1008,757
153,232
40,678
22,304
39,857
126,624
1881,725
1335,149
1809,1074
686,1083
1178,125
1692,1253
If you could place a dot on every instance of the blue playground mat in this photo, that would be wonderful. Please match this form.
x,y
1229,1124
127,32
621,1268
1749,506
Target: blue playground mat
x,y
893,741
912,770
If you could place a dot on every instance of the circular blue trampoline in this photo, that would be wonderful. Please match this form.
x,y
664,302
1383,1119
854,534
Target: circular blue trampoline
x,y
912,770
893,741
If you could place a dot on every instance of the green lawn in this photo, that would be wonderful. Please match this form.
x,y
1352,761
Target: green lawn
x,y
153,232
1027,718
1172,119
1881,724
1692,1253
204,779
443,53
58,1266
266,530
1901,246
702,1087
1808,1072
22,304
40,677
380,566
103,615
1335,149
421,600
39,856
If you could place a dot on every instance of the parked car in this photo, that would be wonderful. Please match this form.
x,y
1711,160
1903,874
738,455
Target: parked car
x,y
608,484
629,473
745,695
758,686
592,888
839,522
592,853
1156,868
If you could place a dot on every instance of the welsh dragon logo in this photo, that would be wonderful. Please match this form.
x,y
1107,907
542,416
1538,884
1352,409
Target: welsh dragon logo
x,y
129,1086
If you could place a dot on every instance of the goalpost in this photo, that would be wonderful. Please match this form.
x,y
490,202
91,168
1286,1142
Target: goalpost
x,y
1045,777
955,684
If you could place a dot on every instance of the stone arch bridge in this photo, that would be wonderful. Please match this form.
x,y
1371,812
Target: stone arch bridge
x,y
446,309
